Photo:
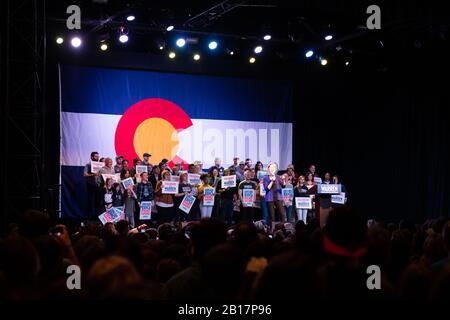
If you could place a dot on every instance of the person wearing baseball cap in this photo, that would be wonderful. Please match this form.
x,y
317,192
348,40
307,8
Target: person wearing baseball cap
x,y
118,166
164,165
345,242
240,170
199,166
146,161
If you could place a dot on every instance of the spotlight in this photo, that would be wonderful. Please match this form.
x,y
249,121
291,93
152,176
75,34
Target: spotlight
x,y
347,63
103,47
267,37
123,38
212,45
323,61
59,40
196,57
328,37
258,49
170,28
181,42
123,35
75,42
172,55
161,47
231,53
131,18
309,53
252,60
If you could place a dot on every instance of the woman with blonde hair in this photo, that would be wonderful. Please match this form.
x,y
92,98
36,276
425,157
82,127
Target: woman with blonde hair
x,y
273,185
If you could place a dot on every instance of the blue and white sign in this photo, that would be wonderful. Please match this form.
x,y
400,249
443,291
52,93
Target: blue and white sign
x,y
328,188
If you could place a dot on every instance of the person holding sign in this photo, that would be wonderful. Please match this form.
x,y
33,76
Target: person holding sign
x,y
287,194
214,180
272,186
247,192
214,176
130,205
300,191
125,174
92,187
146,161
144,189
336,180
326,178
258,167
205,211
164,202
226,195
184,188
325,200
107,194
107,169
118,196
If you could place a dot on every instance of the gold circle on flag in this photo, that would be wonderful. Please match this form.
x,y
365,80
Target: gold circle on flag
x,y
157,137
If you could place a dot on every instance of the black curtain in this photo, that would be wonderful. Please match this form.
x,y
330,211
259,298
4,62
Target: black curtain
x,y
385,131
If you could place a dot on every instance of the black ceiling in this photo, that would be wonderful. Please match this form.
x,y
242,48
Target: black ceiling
x,y
295,26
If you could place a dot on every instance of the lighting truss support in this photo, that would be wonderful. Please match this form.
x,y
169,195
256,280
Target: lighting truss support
x,y
23,69
206,17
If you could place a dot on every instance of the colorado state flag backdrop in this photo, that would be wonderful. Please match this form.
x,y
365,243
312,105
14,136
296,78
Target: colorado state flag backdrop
x,y
179,117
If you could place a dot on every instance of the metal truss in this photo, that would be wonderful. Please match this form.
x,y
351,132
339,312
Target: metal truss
x,y
206,17
23,62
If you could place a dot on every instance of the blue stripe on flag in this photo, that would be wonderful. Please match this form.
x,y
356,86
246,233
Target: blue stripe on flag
x,y
112,91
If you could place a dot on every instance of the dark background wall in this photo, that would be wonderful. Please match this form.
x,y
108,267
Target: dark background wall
x,y
386,132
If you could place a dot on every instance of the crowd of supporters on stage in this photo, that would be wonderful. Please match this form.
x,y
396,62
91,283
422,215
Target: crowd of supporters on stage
x,y
269,204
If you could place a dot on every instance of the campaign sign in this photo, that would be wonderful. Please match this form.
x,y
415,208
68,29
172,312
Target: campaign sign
x,y
146,210
261,174
262,191
328,188
228,181
317,180
114,177
175,178
287,195
169,187
113,215
140,169
193,179
208,198
127,182
338,198
248,197
96,166
186,203
303,203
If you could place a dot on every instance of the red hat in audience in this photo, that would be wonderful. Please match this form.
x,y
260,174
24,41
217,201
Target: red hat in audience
x,y
345,233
